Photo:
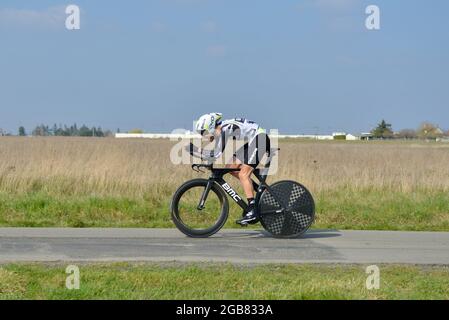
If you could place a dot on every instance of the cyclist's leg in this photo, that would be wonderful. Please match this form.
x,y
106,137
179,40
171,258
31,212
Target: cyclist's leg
x,y
249,214
253,153
245,179
235,165
247,168
244,175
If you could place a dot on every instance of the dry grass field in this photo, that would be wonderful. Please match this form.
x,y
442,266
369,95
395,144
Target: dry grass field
x,y
108,182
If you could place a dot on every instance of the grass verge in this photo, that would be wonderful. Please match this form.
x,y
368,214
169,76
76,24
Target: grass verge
x,y
343,209
222,281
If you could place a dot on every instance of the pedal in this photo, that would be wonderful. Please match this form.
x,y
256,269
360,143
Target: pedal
x,y
242,224
254,221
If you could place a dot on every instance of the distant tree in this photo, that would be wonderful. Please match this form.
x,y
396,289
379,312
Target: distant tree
x,y
84,131
60,131
73,130
98,132
37,131
108,133
22,131
429,130
406,134
65,131
41,130
136,131
383,130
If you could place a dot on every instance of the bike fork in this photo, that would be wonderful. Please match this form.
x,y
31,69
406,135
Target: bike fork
x,y
204,195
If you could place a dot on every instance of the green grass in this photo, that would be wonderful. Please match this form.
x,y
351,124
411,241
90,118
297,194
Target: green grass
x,y
222,281
344,209
383,210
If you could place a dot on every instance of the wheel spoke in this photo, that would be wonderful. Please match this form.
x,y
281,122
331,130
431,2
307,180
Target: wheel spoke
x,y
286,228
304,209
276,198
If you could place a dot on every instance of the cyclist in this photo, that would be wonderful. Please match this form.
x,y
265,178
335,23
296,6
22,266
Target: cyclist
x,y
257,144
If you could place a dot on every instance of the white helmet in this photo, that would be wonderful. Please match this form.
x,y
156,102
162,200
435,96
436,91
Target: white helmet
x,y
208,123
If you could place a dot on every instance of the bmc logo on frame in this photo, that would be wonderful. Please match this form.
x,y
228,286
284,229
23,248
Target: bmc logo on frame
x,y
231,192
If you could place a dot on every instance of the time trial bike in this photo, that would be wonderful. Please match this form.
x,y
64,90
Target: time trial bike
x,y
200,207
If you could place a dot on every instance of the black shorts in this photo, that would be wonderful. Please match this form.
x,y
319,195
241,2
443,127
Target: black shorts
x,y
252,152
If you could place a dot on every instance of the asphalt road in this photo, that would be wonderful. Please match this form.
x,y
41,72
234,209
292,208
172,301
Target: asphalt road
x,y
240,246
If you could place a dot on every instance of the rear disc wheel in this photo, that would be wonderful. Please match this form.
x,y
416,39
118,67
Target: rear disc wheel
x,y
287,209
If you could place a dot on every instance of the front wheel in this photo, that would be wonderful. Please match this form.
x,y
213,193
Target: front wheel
x,y
286,209
193,220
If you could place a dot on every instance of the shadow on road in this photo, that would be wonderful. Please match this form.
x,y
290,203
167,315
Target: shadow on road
x,y
253,234
315,234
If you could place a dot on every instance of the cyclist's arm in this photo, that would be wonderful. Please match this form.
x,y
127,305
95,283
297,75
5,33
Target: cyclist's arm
x,y
220,144
208,155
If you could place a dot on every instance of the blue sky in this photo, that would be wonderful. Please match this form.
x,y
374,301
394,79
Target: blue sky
x,y
300,66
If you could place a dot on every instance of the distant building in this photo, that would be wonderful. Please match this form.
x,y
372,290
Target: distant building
x,y
352,137
366,136
303,136
339,136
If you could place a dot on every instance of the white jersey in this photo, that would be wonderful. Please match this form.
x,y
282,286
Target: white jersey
x,y
239,129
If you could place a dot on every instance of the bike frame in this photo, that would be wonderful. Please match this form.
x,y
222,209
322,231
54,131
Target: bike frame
x,y
217,177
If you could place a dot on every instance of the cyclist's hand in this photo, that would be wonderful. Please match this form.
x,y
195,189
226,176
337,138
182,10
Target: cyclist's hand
x,y
204,155
208,156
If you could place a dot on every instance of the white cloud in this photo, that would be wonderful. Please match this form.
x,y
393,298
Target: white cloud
x,y
53,17
216,51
